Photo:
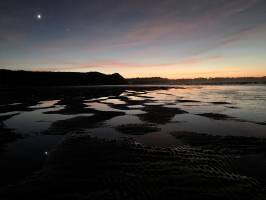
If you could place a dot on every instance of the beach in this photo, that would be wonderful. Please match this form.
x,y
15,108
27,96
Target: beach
x,y
135,142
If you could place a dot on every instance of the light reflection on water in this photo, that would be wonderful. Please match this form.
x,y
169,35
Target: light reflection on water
x,y
25,156
100,106
45,104
36,121
120,120
247,105
199,124
114,101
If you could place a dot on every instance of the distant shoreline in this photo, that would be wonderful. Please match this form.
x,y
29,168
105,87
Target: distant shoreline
x,y
199,81
129,86
10,78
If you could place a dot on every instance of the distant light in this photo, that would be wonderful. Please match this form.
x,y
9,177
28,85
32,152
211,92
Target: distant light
x,y
46,153
39,16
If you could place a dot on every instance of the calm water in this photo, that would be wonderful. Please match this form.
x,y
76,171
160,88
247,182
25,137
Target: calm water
x,y
216,110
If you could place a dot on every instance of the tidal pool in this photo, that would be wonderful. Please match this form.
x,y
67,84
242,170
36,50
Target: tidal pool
x,y
146,114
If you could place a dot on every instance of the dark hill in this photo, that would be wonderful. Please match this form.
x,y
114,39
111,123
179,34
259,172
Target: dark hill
x,y
29,78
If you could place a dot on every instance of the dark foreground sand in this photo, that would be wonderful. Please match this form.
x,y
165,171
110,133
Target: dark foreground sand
x,y
89,168
202,166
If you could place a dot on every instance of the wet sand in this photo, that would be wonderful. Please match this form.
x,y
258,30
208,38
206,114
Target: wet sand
x,y
89,168
7,135
134,143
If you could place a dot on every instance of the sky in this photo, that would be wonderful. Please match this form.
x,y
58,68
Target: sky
x,y
136,38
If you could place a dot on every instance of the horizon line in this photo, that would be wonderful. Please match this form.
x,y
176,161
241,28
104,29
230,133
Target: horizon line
x,y
144,77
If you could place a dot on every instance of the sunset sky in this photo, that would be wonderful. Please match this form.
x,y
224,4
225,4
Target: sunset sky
x,y
136,38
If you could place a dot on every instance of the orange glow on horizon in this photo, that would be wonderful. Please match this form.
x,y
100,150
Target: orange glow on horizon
x,y
171,72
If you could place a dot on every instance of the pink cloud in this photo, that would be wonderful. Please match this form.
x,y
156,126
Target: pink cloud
x,y
191,61
167,28
152,30
239,35
197,60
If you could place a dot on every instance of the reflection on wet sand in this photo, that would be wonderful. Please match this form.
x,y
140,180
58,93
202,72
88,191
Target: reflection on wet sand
x,y
114,169
6,135
213,120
